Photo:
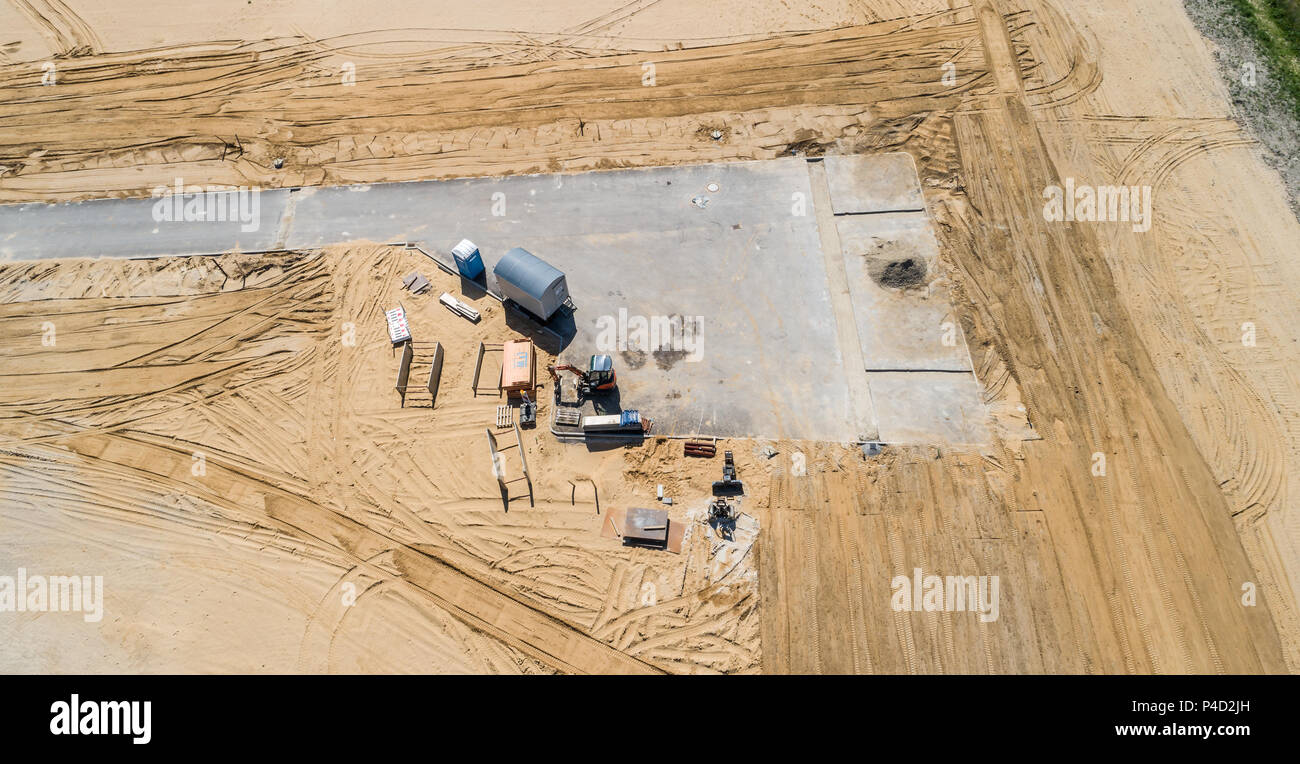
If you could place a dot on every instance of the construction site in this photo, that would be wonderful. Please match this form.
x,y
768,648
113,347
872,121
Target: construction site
x,y
862,336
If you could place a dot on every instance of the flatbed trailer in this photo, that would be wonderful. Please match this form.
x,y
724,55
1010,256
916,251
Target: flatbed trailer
x,y
627,420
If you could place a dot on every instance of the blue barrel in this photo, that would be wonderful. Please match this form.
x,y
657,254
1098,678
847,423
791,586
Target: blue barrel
x,y
468,260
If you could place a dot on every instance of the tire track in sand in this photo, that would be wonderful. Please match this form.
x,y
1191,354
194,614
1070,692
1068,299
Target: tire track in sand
x,y
531,631
66,32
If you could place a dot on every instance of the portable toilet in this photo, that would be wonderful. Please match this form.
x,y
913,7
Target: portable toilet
x,y
534,284
468,260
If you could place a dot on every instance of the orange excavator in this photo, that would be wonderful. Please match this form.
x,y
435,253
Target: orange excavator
x,y
598,377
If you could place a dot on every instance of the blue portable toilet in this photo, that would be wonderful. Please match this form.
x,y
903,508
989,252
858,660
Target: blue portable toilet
x,y
468,260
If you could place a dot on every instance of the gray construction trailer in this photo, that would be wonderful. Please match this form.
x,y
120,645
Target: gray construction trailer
x,y
534,284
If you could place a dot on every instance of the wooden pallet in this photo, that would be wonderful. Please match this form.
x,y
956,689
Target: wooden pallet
x,y
568,417
505,416
702,448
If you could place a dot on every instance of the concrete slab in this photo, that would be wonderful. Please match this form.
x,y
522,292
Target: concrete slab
x,y
929,407
874,183
910,327
711,285
127,228
837,280
718,316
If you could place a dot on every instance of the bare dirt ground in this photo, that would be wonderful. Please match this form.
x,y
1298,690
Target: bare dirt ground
x,y
247,365
1121,343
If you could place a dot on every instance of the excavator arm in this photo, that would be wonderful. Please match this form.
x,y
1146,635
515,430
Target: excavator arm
x,y
555,371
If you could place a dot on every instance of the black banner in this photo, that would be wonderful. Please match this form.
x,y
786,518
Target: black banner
x,y
604,715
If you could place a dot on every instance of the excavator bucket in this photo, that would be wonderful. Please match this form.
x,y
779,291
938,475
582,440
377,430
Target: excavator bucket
x,y
728,486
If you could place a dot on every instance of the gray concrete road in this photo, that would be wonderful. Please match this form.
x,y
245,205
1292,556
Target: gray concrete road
x,y
743,273
708,283
129,228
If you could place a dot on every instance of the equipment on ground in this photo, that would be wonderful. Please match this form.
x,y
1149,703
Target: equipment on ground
x,y
531,283
416,283
518,367
527,412
646,527
701,448
722,509
468,260
728,486
599,376
458,307
398,330
629,420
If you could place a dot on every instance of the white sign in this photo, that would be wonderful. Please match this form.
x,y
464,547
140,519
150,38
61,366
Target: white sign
x,y
398,331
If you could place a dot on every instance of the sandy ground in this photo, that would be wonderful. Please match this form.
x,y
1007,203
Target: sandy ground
x,y
315,476
1121,343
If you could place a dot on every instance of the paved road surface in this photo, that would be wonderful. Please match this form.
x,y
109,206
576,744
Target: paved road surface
x,y
736,249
